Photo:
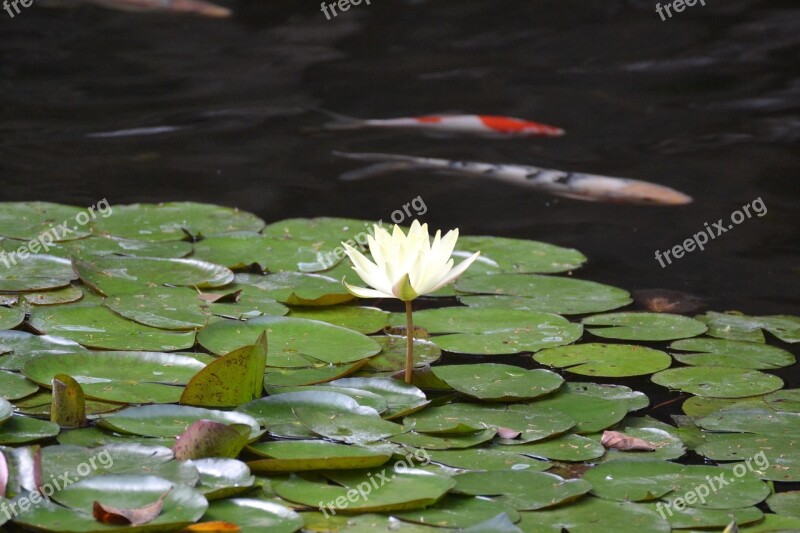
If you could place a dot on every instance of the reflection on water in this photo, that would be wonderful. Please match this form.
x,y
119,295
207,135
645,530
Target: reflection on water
x,y
134,107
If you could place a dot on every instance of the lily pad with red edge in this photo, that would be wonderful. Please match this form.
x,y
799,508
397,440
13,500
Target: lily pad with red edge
x,y
207,438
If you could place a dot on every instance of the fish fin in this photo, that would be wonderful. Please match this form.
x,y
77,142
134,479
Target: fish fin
x,y
378,157
376,169
340,122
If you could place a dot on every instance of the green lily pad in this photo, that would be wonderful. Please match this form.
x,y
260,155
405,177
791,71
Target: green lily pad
x,y
6,410
276,413
458,512
785,401
233,379
444,441
362,319
162,307
293,342
21,430
94,436
289,377
35,273
520,256
11,318
241,302
499,383
95,326
182,505
223,478
111,275
718,381
605,360
636,400
254,516
633,480
392,357
692,518
405,489
523,490
494,458
64,295
700,406
570,448
301,455
96,245
172,221
170,420
116,459
760,421
242,249
294,288
367,399
14,386
590,515
590,414
29,220
20,347
732,354
125,377
785,503
533,421
736,326
771,457
495,331
550,294
644,326
349,427
401,398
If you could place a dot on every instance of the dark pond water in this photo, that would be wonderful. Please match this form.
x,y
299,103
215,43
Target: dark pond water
x,y
707,102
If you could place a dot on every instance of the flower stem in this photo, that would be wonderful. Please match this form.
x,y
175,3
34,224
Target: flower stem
x,y
409,342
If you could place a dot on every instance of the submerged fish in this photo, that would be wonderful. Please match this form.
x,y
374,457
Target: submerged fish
x,y
576,185
197,7
481,125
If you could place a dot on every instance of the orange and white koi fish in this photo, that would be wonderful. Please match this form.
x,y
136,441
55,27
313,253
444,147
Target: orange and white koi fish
x,y
481,125
575,185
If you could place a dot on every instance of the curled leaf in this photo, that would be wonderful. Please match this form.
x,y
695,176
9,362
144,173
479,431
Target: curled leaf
x,y
619,441
506,433
107,514
206,438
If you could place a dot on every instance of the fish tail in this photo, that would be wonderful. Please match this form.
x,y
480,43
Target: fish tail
x,y
376,169
340,122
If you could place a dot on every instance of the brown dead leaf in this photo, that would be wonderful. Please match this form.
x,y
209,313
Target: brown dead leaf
x,y
212,527
231,297
667,301
107,514
619,441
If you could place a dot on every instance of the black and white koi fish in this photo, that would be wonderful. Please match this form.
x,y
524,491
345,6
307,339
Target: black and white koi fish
x,y
575,185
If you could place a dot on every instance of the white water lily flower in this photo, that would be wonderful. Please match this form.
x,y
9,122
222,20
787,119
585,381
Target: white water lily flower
x,y
406,266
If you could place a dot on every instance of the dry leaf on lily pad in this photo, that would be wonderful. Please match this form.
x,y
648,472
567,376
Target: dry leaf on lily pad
x,y
135,517
619,441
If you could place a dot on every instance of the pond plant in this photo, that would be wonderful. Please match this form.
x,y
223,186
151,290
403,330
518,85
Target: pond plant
x,y
188,367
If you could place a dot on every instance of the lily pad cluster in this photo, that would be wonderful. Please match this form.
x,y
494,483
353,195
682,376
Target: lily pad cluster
x,y
191,368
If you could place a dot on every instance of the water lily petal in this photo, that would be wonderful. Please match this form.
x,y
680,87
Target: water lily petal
x,y
363,292
457,271
367,270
